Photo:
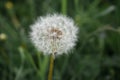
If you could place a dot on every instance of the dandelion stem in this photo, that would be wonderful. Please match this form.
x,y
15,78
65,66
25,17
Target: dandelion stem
x,y
51,66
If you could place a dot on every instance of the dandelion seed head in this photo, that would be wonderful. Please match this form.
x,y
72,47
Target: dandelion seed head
x,y
54,33
3,36
9,5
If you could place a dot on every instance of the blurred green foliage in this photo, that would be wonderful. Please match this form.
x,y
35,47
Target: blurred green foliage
x,y
95,57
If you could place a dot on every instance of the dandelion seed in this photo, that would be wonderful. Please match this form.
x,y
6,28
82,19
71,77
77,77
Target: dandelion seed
x,y
54,33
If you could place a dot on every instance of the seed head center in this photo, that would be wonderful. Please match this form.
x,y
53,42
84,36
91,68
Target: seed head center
x,y
55,33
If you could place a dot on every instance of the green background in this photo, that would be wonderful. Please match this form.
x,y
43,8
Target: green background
x,y
96,55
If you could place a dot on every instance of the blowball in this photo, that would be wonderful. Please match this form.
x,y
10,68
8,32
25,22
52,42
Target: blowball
x,y
54,34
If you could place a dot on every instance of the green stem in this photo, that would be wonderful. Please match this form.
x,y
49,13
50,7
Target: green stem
x,y
51,67
64,6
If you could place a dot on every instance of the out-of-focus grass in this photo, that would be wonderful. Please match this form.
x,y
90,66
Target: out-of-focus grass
x,y
95,57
